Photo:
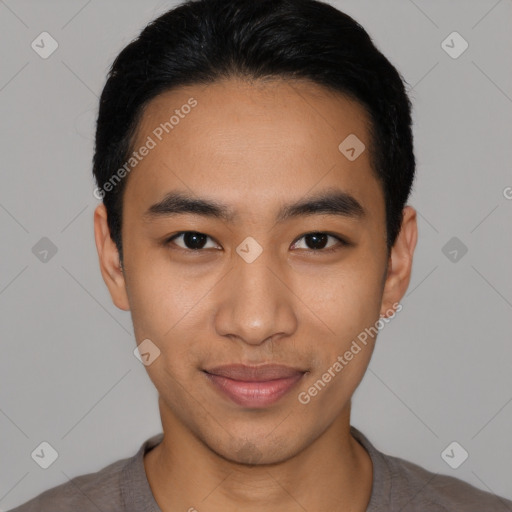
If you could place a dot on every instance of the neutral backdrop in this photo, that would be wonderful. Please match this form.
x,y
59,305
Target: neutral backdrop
x,y
442,369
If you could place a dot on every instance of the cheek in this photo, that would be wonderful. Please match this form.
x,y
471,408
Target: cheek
x,y
345,300
160,295
162,311
170,308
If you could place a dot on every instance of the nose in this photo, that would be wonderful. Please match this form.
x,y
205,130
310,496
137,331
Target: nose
x,y
256,301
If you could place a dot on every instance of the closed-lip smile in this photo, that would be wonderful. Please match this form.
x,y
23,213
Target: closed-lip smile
x,y
254,386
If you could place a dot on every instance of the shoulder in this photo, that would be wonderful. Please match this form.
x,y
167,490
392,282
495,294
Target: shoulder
x,y
420,489
399,484
87,493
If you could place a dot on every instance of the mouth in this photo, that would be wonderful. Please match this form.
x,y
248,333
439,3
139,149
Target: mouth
x,y
254,386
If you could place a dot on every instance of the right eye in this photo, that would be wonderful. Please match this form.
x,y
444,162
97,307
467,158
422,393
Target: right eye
x,y
191,240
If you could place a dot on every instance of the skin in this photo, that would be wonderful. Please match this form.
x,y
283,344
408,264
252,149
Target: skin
x,y
255,146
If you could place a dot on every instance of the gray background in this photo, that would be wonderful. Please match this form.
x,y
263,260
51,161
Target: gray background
x,y
442,370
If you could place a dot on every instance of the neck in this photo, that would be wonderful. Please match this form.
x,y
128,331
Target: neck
x,y
333,473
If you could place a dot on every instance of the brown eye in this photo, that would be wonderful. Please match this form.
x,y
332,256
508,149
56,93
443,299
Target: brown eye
x,y
318,241
191,240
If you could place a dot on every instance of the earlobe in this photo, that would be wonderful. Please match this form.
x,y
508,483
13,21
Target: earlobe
x,y
400,262
109,260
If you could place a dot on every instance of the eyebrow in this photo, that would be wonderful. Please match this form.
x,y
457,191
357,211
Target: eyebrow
x,y
327,202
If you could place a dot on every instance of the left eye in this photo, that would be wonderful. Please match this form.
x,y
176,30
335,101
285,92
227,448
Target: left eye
x,y
318,241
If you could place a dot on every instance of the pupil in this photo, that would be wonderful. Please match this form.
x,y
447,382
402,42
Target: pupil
x,y
319,240
194,240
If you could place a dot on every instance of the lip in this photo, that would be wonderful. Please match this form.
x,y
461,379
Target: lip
x,y
254,386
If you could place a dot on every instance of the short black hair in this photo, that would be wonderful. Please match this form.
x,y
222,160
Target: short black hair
x,y
203,41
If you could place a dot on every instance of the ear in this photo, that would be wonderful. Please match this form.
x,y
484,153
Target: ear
x,y
109,260
400,262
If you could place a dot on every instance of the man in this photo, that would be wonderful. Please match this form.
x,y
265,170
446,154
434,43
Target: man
x,y
254,161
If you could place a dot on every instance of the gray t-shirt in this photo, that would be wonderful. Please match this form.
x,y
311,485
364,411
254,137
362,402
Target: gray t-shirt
x,y
398,485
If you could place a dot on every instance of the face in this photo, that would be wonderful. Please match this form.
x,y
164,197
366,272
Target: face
x,y
248,278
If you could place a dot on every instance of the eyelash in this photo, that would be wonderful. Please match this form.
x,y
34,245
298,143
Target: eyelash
x,y
342,242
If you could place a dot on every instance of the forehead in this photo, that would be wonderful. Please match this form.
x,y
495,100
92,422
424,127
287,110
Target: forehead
x,y
250,142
